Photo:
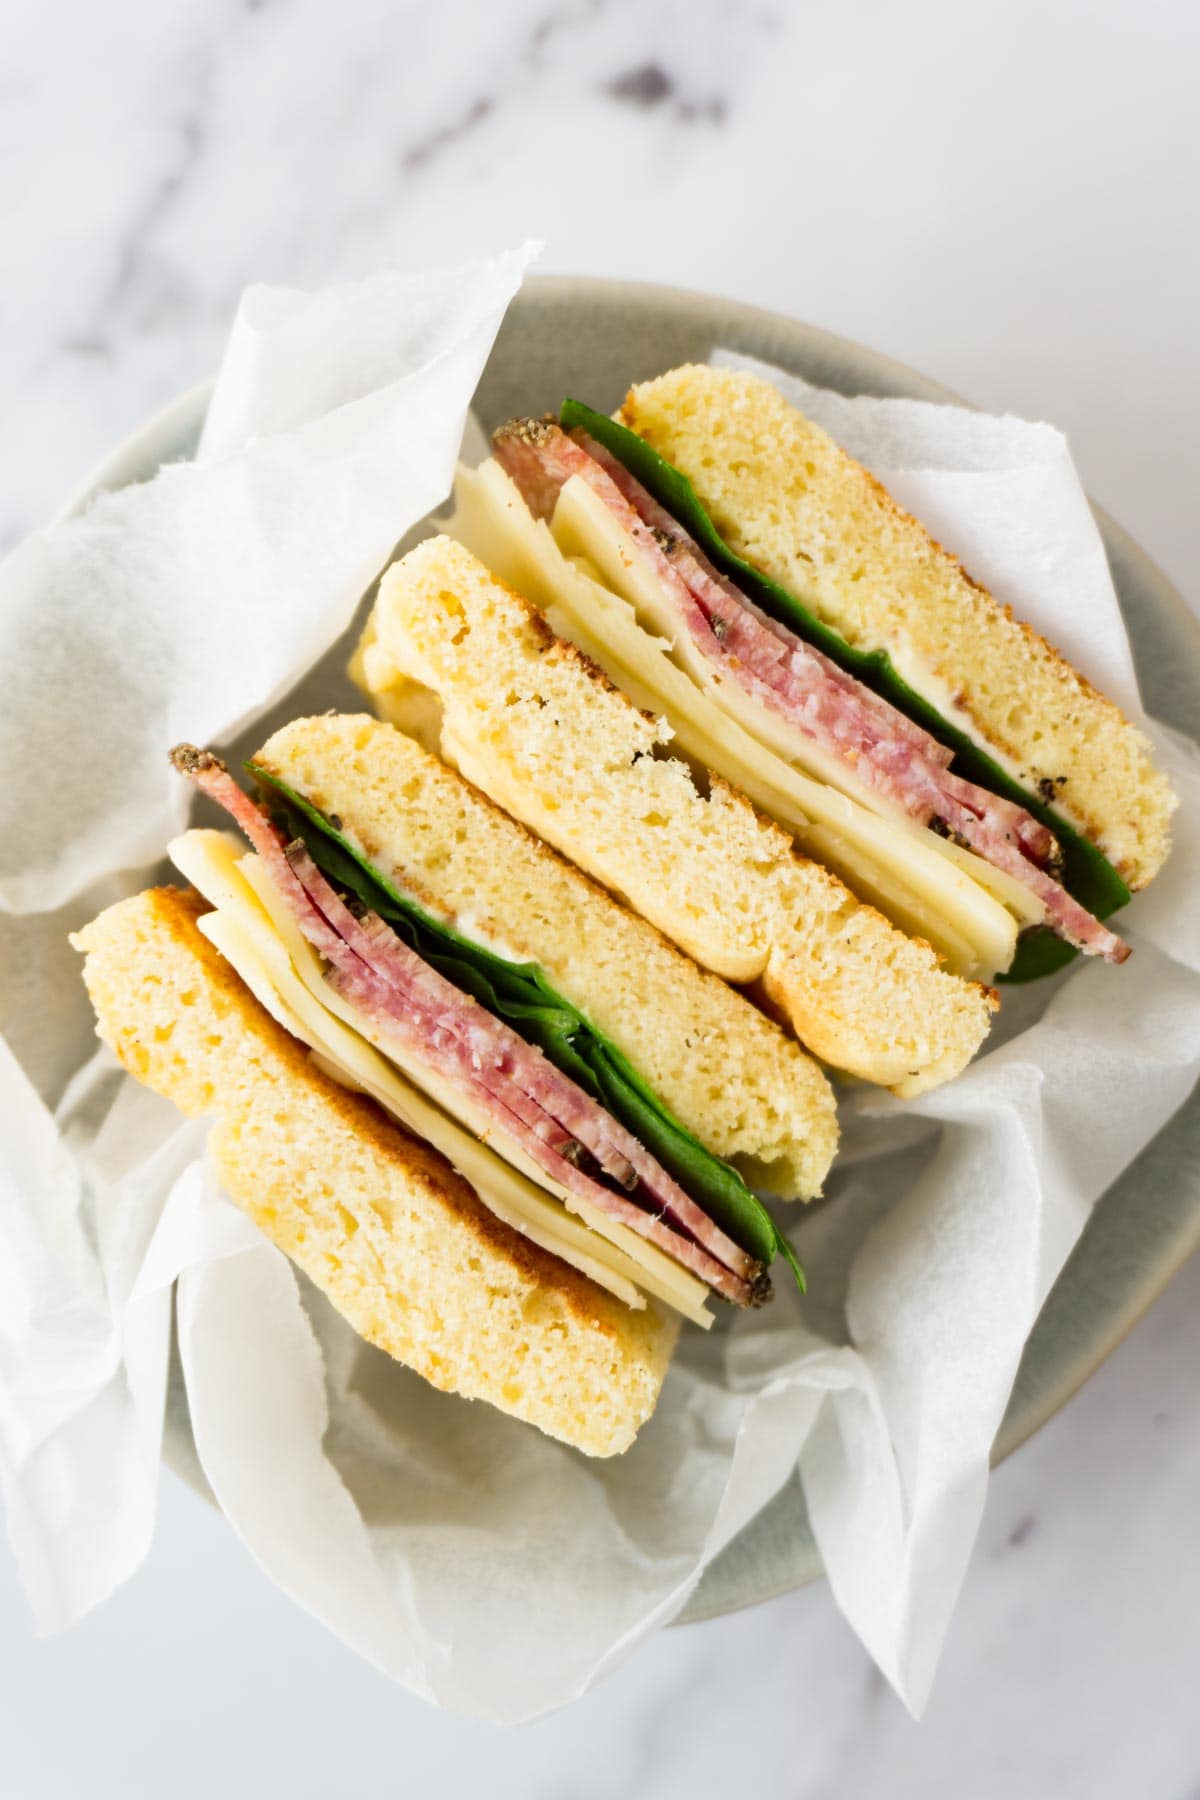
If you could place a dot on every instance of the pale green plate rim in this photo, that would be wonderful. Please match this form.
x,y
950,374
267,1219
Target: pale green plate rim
x,y
1147,1225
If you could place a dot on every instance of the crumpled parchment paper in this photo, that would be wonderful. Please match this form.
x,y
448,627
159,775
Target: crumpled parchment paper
x,y
477,1562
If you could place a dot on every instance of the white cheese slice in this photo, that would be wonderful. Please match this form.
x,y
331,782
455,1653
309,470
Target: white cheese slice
x,y
252,929
899,866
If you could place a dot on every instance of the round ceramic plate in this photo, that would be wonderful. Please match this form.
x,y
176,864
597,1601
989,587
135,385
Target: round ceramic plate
x,y
567,335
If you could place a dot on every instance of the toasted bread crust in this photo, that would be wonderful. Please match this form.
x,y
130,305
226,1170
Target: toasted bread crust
x,y
399,1242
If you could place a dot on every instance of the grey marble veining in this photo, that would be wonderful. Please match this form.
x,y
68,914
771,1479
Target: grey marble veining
x,y
1000,196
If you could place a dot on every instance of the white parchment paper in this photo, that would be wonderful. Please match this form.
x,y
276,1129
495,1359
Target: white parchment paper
x,y
482,1565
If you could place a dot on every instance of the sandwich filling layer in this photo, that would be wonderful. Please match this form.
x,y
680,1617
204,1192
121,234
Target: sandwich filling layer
x,y
840,728
514,1095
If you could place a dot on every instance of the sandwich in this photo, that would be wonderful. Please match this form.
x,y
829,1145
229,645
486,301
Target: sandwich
x,y
531,719
512,1133
803,640
1024,735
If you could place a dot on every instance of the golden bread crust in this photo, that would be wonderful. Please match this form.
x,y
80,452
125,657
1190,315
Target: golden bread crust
x,y
399,1242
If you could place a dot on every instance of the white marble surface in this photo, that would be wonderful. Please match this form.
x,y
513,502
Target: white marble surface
x,y
1003,196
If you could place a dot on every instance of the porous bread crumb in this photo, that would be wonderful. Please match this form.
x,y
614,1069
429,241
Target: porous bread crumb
x,y
542,730
401,1244
785,497
728,1073
845,977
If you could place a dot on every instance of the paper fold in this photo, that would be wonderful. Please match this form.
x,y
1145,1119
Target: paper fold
x,y
483,1565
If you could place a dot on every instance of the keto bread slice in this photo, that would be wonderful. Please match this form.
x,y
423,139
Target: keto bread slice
x,y
785,497
401,1244
528,718
728,1073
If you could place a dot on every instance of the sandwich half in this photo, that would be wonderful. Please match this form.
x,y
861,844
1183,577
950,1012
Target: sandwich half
x,y
829,650
867,570
539,726
400,1242
609,1104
